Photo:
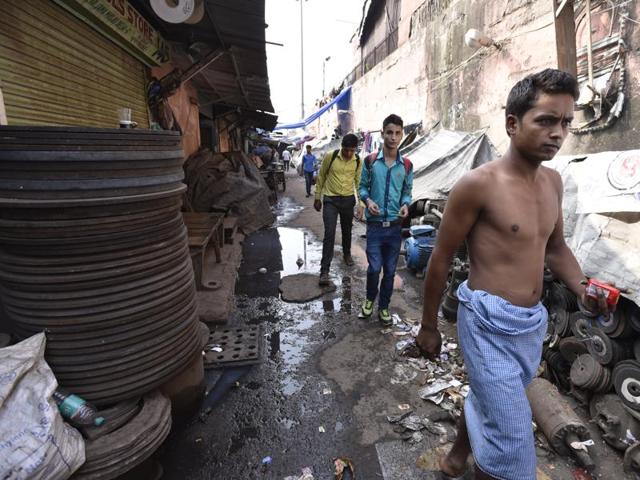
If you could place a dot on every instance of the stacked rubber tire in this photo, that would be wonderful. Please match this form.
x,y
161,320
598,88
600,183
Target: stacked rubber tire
x,y
593,355
94,252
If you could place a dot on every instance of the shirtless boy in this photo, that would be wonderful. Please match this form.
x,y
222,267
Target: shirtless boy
x,y
509,212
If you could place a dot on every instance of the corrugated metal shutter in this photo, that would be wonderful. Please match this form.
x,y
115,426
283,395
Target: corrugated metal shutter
x,y
56,70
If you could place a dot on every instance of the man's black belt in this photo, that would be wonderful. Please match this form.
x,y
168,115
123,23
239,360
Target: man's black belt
x,y
394,223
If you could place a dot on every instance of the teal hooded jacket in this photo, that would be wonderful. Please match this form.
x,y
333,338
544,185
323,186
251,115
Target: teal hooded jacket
x,y
390,188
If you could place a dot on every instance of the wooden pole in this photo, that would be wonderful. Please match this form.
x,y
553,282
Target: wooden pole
x,y
589,43
565,36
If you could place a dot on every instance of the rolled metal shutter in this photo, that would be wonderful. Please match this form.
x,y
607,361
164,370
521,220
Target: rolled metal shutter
x,y
56,70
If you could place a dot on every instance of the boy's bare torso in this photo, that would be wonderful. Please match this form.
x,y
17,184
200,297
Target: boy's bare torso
x,y
508,241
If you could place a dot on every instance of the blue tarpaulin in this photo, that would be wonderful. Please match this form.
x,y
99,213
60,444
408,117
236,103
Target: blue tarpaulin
x,y
343,95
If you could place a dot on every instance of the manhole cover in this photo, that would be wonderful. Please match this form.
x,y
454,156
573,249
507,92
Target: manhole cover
x,y
234,347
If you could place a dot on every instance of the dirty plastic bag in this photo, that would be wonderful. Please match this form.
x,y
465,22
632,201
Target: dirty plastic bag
x,y
35,443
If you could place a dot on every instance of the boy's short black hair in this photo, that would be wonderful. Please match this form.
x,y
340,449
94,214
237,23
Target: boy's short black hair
x,y
393,119
350,140
308,146
524,94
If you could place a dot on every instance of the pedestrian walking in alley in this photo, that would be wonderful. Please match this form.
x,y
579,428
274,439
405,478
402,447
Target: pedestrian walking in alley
x,y
286,159
509,212
336,190
308,168
385,188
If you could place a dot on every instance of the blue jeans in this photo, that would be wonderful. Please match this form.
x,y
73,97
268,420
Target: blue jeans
x,y
383,250
308,180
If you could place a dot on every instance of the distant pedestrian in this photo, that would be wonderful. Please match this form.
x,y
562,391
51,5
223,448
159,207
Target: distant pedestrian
x,y
308,167
385,188
286,159
336,190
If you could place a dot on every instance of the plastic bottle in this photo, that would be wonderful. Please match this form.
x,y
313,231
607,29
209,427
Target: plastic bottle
x,y
76,409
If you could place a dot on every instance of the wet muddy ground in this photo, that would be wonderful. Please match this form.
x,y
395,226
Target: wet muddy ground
x,y
328,380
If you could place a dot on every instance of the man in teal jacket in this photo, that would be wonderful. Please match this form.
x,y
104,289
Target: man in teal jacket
x,y
385,189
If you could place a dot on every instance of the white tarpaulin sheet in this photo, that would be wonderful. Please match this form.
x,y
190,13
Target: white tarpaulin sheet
x,y
607,182
442,157
602,215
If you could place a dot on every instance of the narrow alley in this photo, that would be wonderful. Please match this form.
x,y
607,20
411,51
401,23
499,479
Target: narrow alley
x,y
323,389
174,175
328,382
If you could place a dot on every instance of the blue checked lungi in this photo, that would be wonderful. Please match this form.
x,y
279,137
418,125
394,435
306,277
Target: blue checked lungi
x,y
502,346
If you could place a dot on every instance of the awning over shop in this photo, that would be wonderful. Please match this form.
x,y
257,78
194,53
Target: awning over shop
x,y
441,158
226,52
342,96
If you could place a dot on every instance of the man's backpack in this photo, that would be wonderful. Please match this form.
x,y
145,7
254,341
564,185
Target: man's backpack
x,y
368,162
408,166
335,154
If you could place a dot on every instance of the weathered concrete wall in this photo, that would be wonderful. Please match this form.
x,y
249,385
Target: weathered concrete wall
x,y
465,88
407,9
395,85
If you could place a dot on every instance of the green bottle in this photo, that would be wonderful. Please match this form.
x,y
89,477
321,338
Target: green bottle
x,y
76,409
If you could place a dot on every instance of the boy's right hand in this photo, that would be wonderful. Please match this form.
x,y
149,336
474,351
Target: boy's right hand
x,y
429,342
317,204
373,207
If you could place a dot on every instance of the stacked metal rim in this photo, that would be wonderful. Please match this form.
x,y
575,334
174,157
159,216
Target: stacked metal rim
x,y
117,452
94,252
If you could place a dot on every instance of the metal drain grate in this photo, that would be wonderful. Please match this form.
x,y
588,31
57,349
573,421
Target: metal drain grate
x,y
234,347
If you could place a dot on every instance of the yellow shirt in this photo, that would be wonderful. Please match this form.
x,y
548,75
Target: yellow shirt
x,y
342,179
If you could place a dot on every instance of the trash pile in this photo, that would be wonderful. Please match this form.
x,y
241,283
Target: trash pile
x,y
344,469
443,383
590,357
445,379
410,426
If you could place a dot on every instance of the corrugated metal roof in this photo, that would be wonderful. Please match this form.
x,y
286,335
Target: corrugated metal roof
x,y
239,77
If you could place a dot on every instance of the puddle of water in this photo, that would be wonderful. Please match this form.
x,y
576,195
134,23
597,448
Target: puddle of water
x,y
291,346
286,210
289,340
294,250
299,253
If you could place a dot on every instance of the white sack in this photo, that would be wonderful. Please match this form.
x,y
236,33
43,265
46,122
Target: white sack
x,y
35,442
